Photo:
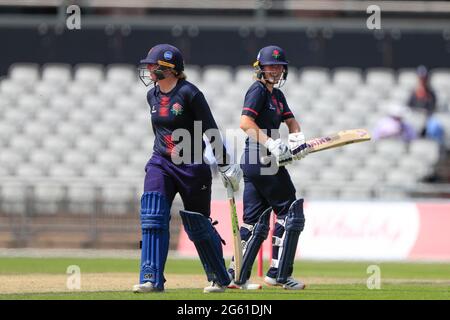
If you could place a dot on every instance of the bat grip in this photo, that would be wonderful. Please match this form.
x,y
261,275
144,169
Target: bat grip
x,y
230,192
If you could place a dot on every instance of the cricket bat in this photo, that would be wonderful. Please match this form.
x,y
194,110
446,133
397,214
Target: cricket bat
x,y
334,140
237,244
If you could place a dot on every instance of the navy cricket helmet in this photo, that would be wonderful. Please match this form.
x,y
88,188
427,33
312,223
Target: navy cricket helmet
x,y
165,55
271,55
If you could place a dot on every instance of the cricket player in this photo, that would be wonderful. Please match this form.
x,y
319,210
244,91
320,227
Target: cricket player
x,y
177,104
265,108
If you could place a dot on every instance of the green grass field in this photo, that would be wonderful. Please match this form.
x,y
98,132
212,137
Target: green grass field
x,y
45,278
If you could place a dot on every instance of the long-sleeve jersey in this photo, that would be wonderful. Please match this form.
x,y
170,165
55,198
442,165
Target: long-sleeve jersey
x,y
180,109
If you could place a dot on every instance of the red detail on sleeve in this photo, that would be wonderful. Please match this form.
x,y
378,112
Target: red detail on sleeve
x,y
287,113
251,110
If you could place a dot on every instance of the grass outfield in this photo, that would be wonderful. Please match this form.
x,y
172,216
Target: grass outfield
x,y
46,278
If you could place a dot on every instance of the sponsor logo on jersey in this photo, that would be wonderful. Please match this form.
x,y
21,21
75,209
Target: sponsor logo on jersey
x,y
153,109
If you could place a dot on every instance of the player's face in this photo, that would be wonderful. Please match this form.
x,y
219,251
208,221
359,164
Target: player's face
x,y
273,72
152,67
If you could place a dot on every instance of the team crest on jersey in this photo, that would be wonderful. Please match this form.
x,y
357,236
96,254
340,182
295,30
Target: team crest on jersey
x,y
276,54
177,109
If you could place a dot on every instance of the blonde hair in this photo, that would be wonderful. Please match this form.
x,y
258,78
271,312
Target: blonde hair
x,y
181,76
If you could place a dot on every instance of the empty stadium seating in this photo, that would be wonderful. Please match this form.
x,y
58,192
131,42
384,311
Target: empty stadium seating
x,y
86,130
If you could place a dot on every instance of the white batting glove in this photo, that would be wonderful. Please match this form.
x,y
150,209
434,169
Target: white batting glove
x,y
231,174
297,144
280,151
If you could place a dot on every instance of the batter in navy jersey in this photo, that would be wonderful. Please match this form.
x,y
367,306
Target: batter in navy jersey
x,y
176,104
265,108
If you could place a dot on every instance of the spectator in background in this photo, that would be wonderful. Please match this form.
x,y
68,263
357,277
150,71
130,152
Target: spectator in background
x,y
394,125
423,99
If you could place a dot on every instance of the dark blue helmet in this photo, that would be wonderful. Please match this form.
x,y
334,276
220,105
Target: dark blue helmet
x,y
271,55
165,55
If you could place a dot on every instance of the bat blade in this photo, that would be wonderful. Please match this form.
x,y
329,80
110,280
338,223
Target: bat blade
x,y
237,244
338,139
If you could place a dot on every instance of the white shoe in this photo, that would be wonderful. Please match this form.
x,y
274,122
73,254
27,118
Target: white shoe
x,y
214,288
145,288
246,286
290,284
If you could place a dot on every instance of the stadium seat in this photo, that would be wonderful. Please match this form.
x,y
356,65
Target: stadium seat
x,y
42,159
96,171
47,90
321,192
48,197
90,74
11,89
62,172
347,78
24,73
82,198
407,78
380,78
440,79
244,76
401,177
122,74
368,176
193,73
89,144
110,159
56,144
22,144
356,193
58,74
217,75
118,198
9,158
28,171
76,159
425,150
14,197
314,77
391,148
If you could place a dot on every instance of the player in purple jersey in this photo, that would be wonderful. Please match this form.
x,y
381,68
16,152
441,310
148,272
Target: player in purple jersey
x,y
265,108
177,166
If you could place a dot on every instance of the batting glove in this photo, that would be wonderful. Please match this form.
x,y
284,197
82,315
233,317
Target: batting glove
x,y
231,174
298,146
280,151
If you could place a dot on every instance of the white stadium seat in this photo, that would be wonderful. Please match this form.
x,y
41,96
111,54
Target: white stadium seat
x,y
347,77
76,159
217,75
407,78
123,74
314,77
58,74
89,73
48,197
25,73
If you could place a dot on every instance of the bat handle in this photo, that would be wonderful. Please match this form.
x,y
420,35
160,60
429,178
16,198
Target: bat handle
x,y
265,159
230,192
